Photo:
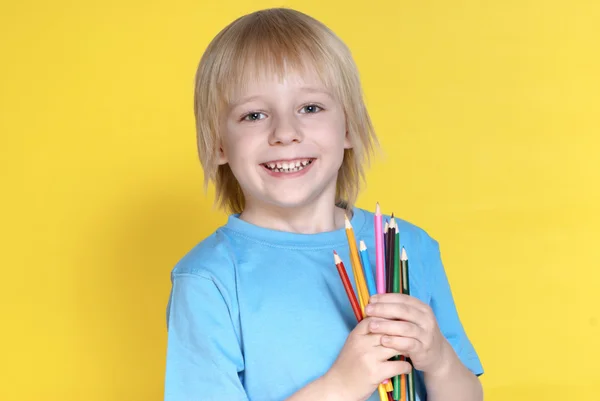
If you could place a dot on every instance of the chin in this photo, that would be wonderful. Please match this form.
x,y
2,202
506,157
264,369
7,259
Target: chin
x,y
290,201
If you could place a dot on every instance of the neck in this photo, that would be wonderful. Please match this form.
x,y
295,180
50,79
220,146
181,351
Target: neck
x,y
317,217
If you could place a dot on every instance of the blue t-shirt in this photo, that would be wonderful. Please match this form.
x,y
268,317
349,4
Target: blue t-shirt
x,y
256,314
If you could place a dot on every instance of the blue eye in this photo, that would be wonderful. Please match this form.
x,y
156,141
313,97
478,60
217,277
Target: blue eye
x,y
311,108
255,116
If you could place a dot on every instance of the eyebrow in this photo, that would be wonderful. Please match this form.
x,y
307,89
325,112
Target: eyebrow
x,y
305,89
243,100
314,89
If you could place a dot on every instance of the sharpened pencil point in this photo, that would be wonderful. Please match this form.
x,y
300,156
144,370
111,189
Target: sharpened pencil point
x,y
337,258
347,222
403,257
362,245
377,210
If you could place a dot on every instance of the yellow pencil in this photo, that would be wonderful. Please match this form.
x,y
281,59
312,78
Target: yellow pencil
x,y
382,394
361,283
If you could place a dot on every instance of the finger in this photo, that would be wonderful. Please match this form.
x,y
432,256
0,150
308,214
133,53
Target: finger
x,y
382,353
396,311
397,328
403,345
393,297
362,328
390,369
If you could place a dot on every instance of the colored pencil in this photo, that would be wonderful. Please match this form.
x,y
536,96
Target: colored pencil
x,y
383,395
386,252
361,286
353,302
364,256
379,274
406,290
347,286
390,264
396,287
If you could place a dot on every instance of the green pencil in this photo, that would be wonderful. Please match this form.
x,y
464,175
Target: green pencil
x,y
406,290
396,288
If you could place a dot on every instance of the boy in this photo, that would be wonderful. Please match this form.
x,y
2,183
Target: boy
x,y
257,310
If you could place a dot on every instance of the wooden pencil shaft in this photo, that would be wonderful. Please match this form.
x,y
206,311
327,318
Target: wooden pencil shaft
x,y
357,266
349,291
411,386
390,266
397,273
405,284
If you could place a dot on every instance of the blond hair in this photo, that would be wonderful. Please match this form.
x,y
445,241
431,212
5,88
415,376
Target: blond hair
x,y
272,41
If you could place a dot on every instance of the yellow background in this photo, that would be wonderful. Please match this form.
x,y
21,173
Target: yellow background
x,y
487,111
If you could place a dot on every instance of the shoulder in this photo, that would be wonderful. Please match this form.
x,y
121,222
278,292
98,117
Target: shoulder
x,y
211,258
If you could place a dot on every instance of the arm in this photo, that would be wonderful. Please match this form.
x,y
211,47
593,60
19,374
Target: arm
x,y
204,356
456,378
453,381
319,389
431,335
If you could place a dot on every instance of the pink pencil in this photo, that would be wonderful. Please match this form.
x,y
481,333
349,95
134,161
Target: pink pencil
x,y
379,269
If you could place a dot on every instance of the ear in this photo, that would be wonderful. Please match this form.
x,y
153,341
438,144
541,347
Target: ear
x,y
221,156
347,142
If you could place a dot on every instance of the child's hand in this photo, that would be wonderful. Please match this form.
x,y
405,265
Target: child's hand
x,y
363,364
410,328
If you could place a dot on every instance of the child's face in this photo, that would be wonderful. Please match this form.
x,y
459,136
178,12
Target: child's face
x,y
285,141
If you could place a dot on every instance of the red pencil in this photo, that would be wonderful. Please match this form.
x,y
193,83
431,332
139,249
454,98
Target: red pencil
x,y
347,286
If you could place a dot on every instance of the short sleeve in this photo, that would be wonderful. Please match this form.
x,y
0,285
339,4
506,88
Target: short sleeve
x,y
444,308
204,356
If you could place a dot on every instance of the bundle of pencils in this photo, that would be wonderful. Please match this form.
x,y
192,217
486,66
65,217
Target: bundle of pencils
x,y
391,275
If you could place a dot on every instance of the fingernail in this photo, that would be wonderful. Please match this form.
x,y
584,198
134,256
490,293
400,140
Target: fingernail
x,y
369,308
385,339
373,299
374,325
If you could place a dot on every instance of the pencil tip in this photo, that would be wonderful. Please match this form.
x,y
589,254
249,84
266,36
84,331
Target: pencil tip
x,y
377,209
362,245
337,258
403,257
347,223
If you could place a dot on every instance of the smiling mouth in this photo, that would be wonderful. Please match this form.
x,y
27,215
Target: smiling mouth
x,y
291,166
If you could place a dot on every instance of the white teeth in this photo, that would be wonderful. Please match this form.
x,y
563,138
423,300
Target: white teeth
x,y
288,167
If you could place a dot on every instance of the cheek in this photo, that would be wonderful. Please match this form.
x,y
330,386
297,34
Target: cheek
x,y
241,150
234,142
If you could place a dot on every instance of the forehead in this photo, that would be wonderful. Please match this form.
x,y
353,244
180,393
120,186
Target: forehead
x,y
256,75
293,80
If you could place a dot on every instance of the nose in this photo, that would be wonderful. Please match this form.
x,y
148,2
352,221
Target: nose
x,y
285,131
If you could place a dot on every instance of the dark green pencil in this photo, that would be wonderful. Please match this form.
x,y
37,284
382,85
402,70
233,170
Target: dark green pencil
x,y
406,290
398,289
